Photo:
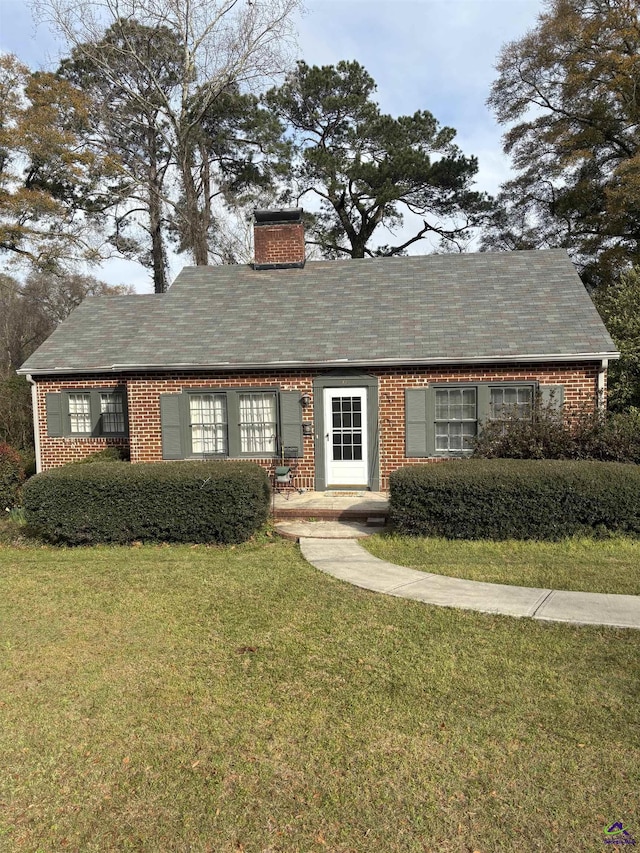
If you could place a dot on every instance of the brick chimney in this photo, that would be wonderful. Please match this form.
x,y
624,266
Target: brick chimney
x,y
278,239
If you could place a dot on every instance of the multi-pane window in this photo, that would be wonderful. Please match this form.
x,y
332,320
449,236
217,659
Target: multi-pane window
x,y
444,420
347,427
456,419
208,415
80,413
258,422
112,412
510,403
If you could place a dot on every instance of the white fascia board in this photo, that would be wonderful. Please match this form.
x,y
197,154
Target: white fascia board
x,y
336,362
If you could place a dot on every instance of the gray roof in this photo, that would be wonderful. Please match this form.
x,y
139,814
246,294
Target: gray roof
x,y
458,308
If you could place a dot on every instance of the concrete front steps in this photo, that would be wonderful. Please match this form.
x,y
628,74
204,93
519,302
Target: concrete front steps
x,y
298,529
359,507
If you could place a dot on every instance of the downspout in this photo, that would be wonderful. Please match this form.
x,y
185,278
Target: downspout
x,y
36,424
601,386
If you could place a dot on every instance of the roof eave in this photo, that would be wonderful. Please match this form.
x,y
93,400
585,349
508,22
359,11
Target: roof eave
x,y
330,363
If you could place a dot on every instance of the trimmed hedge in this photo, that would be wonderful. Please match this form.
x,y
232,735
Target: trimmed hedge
x,y
516,499
223,502
11,476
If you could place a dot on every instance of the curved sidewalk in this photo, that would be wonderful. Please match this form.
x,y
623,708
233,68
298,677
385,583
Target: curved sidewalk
x,y
347,560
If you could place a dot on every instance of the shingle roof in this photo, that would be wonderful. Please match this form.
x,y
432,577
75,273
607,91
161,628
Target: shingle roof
x,y
437,308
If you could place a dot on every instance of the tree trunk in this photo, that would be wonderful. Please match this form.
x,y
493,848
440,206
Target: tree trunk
x,y
196,223
158,258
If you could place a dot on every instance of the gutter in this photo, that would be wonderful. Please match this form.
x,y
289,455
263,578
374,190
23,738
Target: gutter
x,y
601,399
602,357
36,430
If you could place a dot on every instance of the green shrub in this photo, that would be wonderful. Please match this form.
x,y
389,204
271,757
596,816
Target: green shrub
x,y
11,477
605,437
614,437
220,502
28,458
109,454
515,499
546,435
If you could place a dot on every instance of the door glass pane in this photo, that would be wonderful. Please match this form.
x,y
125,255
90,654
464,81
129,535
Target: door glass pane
x,y
347,428
357,445
337,447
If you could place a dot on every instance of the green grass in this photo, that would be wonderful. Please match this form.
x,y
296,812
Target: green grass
x,y
590,565
235,699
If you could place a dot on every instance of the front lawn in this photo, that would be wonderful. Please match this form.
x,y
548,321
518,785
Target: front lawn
x,y
235,699
590,565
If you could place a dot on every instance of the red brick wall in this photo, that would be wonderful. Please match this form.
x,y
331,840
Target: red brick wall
x,y
579,382
279,244
59,451
144,390
144,409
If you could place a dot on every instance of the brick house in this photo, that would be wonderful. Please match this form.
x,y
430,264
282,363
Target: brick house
x,y
362,366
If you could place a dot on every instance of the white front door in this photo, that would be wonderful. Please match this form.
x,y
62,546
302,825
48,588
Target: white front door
x,y
345,428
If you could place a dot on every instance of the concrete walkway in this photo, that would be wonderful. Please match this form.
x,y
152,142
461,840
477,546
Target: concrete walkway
x,y
344,558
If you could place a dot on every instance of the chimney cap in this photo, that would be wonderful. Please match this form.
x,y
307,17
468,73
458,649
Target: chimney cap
x,y
275,217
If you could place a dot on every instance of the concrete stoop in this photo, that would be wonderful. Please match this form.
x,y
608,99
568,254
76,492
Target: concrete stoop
x,y
332,506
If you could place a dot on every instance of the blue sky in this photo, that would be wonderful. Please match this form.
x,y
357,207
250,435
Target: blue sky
x,y
437,55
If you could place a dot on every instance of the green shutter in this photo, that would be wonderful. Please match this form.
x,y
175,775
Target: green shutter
x,y
171,426
233,424
125,408
54,415
416,422
552,396
291,421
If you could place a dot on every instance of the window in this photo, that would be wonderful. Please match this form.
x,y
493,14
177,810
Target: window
x,y
456,420
79,413
443,420
208,419
515,402
258,423
91,413
230,422
112,412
